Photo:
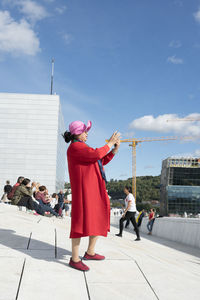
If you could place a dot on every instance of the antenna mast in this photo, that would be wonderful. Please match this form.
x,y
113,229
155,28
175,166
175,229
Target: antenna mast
x,y
52,73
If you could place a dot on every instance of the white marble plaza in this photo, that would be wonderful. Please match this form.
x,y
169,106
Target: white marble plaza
x,y
34,255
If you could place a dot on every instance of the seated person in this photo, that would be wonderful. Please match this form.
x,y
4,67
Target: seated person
x,y
62,203
54,200
12,192
44,200
23,197
66,206
36,188
7,189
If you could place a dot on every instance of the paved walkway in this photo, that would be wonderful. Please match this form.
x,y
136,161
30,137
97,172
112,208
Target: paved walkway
x,y
34,255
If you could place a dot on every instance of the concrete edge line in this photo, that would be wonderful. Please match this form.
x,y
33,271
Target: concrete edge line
x,y
146,280
86,283
56,254
87,287
141,272
29,241
20,280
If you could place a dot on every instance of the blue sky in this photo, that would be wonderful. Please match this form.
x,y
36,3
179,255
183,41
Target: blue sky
x,y
126,65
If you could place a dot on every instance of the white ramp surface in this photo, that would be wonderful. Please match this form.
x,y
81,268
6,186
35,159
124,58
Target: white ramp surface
x,y
35,252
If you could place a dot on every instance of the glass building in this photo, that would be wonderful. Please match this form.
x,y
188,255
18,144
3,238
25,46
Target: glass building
x,y
31,144
180,185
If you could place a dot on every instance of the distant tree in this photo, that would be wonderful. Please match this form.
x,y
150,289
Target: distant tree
x,y
145,206
147,188
67,185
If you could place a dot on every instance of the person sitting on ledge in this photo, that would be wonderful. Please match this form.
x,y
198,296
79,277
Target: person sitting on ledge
x,y
54,200
7,189
23,197
43,201
17,184
62,203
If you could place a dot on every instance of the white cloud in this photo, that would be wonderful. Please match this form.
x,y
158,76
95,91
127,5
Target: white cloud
x,y
169,123
175,60
67,38
197,153
17,37
61,9
175,44
32,10
197,16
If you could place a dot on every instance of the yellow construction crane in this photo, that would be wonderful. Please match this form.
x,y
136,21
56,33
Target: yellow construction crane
x,y
134,142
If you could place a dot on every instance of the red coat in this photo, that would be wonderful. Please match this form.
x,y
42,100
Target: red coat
x,y
90,203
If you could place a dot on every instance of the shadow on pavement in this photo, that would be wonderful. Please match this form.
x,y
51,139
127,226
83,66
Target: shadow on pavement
x,y
10,239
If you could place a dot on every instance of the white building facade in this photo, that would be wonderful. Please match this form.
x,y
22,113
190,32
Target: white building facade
x,y
31,142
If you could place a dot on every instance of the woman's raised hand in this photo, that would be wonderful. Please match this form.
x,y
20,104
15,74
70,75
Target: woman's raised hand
x,y
116,147
114,139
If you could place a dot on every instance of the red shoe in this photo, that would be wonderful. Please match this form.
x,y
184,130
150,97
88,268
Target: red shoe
x,y
93,257
78,265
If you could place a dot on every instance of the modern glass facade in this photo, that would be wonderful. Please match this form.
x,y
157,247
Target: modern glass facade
x,y
183,199
180,186
184,176
31,144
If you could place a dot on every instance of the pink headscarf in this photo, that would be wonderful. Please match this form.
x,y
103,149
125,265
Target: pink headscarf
x,y
78,127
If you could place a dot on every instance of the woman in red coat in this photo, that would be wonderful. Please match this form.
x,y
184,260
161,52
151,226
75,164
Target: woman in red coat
x,y
90,214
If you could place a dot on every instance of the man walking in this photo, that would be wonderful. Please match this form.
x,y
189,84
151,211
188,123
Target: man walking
x,y
129,213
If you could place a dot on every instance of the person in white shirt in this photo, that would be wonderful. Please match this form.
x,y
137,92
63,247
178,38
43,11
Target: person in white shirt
x,y
54,200
129,213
